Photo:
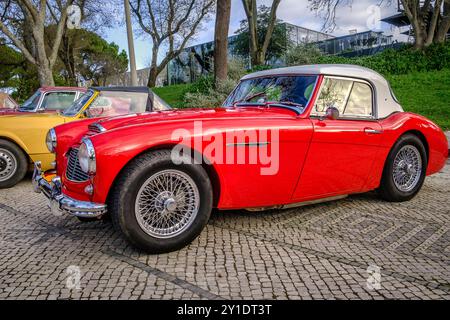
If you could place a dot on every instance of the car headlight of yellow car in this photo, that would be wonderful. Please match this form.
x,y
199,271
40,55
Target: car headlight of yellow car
x,y
86,157
51,140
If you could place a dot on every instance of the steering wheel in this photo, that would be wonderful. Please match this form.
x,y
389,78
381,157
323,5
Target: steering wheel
x,y
296,99
256,95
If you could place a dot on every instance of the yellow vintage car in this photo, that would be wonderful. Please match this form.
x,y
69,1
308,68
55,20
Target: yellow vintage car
x,y
27,138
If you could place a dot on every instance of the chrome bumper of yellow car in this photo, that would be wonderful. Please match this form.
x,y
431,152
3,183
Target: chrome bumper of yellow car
x,y
58,202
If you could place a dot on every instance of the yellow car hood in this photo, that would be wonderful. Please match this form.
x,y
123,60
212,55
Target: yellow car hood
x,y
30,130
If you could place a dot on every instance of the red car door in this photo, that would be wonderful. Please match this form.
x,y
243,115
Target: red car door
x,y
342,151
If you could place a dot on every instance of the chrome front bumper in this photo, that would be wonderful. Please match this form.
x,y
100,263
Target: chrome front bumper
x,y
59,202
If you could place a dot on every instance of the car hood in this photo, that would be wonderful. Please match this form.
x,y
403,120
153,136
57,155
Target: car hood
x,y
194,115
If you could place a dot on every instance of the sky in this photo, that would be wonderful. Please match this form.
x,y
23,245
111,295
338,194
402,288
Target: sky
x,y
362,15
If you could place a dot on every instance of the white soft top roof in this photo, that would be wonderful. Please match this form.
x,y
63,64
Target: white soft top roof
x,y
385,102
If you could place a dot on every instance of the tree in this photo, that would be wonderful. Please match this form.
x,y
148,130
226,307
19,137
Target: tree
x,y
278,42
223,15
11,62
93,18
97,60
258,49
303,54
430,19
23,22
170,23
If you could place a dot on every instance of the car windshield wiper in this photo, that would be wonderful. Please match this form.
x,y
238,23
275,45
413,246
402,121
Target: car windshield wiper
x,y
248,98
292,106
291,103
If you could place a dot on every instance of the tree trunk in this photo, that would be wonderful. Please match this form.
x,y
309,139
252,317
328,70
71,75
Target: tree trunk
x,y
252,18
258,50
420,34
154,69
45,76
221,40
441,35
260,58
152,77
67,55
444,24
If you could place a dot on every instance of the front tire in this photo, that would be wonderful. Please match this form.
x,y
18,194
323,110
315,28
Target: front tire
x,y
159,206
405,170
13,164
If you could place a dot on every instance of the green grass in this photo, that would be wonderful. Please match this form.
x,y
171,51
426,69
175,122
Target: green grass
x,y
425,93
173,95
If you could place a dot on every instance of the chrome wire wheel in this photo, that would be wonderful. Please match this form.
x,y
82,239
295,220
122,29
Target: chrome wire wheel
x,y
8,164
407,168
167,204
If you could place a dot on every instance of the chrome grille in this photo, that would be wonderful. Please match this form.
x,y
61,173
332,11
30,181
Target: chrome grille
x,y
73,171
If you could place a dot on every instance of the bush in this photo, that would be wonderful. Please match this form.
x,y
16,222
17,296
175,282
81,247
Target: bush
x,y
260,68
303,54
403,61
202,85
212,98
236,69
204,94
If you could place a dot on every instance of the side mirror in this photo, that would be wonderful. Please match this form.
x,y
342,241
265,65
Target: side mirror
x,y
332,113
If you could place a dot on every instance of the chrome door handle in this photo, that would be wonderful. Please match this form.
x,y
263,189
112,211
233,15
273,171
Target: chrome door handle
x,y
372,131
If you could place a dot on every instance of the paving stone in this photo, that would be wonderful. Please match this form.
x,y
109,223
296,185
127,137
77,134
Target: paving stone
x,y
325,251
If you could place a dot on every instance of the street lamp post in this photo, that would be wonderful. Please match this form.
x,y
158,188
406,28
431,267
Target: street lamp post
x,y
131,52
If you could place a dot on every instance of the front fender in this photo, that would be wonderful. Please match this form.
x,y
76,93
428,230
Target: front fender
x,y
8,135
116,148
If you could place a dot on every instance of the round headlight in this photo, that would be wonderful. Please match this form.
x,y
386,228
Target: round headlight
x,y
86,157
51,140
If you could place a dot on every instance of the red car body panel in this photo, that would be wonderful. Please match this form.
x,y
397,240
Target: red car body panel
x,y
318,158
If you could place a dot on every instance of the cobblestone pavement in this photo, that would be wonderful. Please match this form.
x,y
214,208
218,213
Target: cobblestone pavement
x,y
315,252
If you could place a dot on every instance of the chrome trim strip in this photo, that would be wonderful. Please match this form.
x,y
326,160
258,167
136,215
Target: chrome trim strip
x,y
99,127
298,204
248,144
92,166
373,131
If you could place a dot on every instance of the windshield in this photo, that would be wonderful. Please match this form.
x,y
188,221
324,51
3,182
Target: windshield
x,y
78,105
159,104
289,90
32,103
115,103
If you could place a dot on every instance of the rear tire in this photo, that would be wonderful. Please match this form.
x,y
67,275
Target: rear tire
x,y
159,206
13,164
405,170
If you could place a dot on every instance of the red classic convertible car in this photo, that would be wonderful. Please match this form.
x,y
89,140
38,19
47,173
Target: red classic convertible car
x,y
283,138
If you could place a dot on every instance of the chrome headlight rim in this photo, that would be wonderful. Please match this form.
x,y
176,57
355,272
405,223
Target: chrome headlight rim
x,y
86,157
51,140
